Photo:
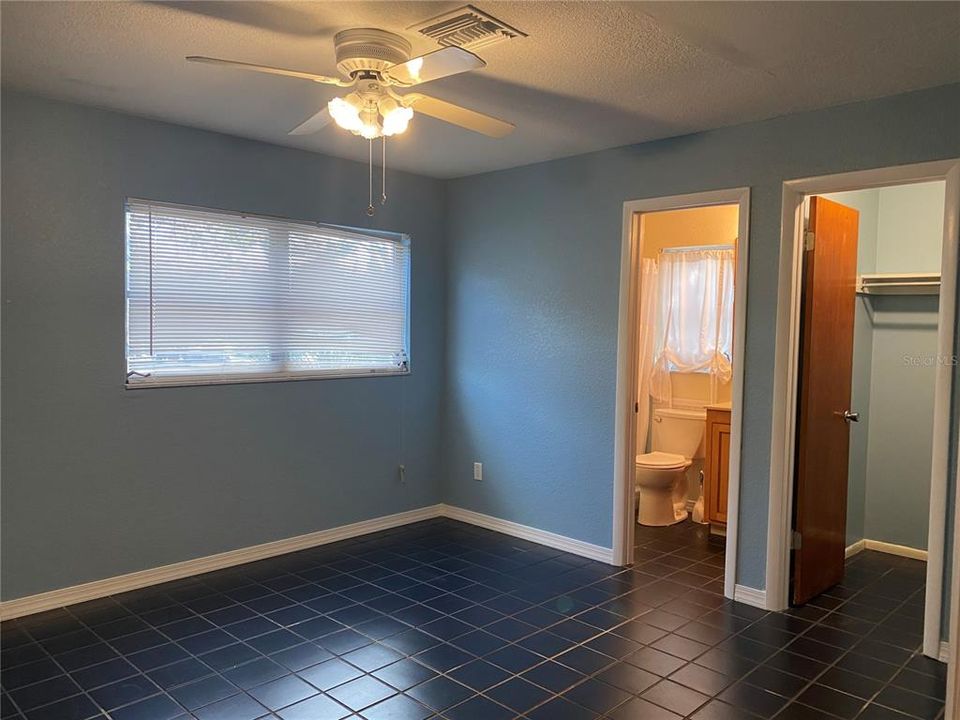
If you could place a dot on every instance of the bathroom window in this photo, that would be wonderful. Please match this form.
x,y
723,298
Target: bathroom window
x,y
224,297
695,322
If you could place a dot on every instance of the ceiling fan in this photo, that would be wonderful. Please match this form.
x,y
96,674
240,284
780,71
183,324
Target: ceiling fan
x,y
373,62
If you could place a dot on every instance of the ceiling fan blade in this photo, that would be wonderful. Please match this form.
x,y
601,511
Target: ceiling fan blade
x,y
313,124
433,66
325,79
457,115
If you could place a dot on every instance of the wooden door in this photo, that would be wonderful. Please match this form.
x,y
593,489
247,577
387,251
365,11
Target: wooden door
x,y
826,365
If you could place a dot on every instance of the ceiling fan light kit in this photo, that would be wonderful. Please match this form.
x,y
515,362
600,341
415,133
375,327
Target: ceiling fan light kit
x,y
375,61
371,112
396,117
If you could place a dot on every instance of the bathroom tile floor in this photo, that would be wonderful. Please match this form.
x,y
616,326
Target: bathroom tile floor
x,y
444,620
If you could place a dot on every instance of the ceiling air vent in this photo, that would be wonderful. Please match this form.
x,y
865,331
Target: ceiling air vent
x,y
467,27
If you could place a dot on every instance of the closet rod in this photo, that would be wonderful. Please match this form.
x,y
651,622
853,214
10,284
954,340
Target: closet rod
x,y
898,284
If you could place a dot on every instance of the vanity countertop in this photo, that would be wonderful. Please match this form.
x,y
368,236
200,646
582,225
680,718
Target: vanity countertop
x,y
719,406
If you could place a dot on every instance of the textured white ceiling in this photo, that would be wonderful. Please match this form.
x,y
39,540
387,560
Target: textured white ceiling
x,y
591,75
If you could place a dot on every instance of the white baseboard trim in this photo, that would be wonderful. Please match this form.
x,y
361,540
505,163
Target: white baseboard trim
x,y
901,550
944,652
885,547
558,542
143,578
858,547
750,596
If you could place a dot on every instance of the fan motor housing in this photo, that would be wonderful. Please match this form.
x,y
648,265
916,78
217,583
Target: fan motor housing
x,y
369,50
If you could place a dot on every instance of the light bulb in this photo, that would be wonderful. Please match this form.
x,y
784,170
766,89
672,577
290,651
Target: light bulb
x,y
396,121
395,116
369,124
346,112
368,131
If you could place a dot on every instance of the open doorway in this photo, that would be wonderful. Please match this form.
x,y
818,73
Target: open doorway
x,y
862,401
680,384
867,376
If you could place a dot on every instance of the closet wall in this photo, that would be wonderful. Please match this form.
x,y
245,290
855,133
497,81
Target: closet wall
x,y
895,345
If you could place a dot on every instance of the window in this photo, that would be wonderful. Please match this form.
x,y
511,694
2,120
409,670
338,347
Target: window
x,y
696,311
216,297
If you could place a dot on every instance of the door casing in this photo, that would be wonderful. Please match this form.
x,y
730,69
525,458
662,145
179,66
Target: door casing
x,y
627,381
786,376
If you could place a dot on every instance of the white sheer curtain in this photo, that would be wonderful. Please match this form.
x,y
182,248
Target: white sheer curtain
x,y
695,318
648,343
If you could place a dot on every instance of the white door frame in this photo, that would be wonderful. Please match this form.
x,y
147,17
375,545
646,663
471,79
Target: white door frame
x,y
786,374
627,381
953,650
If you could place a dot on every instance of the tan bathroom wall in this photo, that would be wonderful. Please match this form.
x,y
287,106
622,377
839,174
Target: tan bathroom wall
x,y
715,225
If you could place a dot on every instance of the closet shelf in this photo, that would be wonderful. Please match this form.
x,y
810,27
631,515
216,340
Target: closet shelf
x,y
898,284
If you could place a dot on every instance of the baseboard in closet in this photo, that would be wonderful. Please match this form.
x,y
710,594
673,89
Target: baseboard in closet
x,y
889,548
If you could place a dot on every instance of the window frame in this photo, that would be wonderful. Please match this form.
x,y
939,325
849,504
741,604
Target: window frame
x,y
133,380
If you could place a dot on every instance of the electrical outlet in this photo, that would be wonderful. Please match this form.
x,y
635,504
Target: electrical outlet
x,y
478,471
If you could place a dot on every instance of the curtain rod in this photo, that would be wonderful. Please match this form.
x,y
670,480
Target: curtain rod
x,y
691,248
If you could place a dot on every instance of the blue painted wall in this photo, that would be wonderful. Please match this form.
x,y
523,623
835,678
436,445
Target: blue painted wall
x,y
532,287
99,481
903,377
903,372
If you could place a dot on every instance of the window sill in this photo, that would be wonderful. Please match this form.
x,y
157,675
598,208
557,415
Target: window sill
x,y
192,381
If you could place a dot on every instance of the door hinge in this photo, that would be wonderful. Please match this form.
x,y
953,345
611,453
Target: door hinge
x,y
796,540
808,239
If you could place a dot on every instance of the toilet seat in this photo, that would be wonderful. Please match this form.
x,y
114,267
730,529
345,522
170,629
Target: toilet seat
x,y
662,460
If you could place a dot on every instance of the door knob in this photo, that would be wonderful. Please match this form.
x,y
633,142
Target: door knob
x,y
850,416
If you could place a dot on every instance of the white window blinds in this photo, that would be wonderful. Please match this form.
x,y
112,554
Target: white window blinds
x,y
214,296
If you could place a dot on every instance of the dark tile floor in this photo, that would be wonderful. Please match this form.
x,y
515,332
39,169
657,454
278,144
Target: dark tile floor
x,y
442,619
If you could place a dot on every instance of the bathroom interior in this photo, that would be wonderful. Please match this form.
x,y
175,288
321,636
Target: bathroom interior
x,y
686,315
894,366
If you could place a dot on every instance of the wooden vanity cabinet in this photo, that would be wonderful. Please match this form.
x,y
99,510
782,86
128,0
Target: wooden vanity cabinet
x,y
716,467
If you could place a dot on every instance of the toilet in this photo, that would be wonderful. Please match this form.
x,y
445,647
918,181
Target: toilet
x,y
661,475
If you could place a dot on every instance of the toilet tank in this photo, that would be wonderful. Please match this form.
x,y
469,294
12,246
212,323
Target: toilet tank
x,y
679,431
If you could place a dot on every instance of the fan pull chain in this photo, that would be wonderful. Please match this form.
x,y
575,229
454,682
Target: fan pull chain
x,y
383,170
370,184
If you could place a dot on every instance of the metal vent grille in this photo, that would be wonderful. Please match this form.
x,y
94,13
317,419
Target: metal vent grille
x,y
467,27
